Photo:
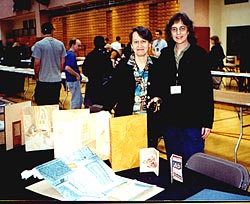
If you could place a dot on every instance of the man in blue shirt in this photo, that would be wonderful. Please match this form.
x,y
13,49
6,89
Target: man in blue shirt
x,y
73,76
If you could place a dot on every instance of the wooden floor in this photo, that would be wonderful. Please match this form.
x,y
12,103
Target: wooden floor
x,y
222,140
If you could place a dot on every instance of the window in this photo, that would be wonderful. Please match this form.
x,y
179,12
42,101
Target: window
x,y
234,1
237,38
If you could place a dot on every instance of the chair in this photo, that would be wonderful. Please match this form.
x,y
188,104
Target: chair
x,y
220,169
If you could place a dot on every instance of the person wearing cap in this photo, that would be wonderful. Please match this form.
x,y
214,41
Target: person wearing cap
x,y
49,57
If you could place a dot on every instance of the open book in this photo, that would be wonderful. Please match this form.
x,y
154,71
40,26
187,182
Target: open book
x,y
83,176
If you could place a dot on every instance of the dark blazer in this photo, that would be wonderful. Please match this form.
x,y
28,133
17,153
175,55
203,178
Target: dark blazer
x,y
194,107
216,56
124,85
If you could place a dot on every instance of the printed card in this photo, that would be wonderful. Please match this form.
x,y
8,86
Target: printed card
x,y
149,160
176,168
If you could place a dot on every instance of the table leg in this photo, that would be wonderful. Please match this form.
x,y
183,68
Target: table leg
x,y
240,136
28,85
67,92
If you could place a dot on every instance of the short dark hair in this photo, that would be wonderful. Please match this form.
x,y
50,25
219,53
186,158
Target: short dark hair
x,y
187,22
142,32
72,42
159,31
99,41
118,38
47,28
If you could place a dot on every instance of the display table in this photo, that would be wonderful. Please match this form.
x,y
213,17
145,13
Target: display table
x,y
13,187
232,75
12,80
239,99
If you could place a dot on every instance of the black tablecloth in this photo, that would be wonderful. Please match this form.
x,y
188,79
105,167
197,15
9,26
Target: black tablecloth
x,y
11,83
14,161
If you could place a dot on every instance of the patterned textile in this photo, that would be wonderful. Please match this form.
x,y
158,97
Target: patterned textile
x,y
141,78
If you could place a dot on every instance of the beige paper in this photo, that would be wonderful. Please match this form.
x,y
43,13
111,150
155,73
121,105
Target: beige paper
x,y
44,188
71,130
128,134
100,131
38,131
14,131
74,129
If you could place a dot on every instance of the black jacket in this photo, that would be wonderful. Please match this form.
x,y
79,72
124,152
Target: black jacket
x,y
194,107
216,56
124,87
96,67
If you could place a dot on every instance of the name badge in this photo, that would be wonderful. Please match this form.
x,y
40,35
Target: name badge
x,y
175,89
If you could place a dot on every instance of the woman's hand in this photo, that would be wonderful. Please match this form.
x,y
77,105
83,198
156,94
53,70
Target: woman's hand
x,y
205,132
154,104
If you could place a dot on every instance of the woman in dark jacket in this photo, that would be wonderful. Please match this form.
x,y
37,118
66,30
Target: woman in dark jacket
x,y
216,56
186,90
133,82
216,53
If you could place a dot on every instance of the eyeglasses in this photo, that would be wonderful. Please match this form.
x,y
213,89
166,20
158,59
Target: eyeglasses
x,y
181,29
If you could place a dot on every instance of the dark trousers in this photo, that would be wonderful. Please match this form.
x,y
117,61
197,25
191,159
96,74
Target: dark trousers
x,y
47,93
183,141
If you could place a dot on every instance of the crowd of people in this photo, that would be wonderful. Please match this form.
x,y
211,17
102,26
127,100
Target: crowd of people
x,y
169,80
14,52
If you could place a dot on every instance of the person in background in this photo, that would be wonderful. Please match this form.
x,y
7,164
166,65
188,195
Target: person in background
x,y
128,50
25,50
49,57
117,45
73,76
158,43
216,53
133,82
97,65
106,40
216,56
16,55
186,92
8,54
113,54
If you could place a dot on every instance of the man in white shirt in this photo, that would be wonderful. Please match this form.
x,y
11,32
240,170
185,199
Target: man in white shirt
x,y
117,45
158,44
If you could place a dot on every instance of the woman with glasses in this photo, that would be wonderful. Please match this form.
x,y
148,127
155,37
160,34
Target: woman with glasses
x,y
185,90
